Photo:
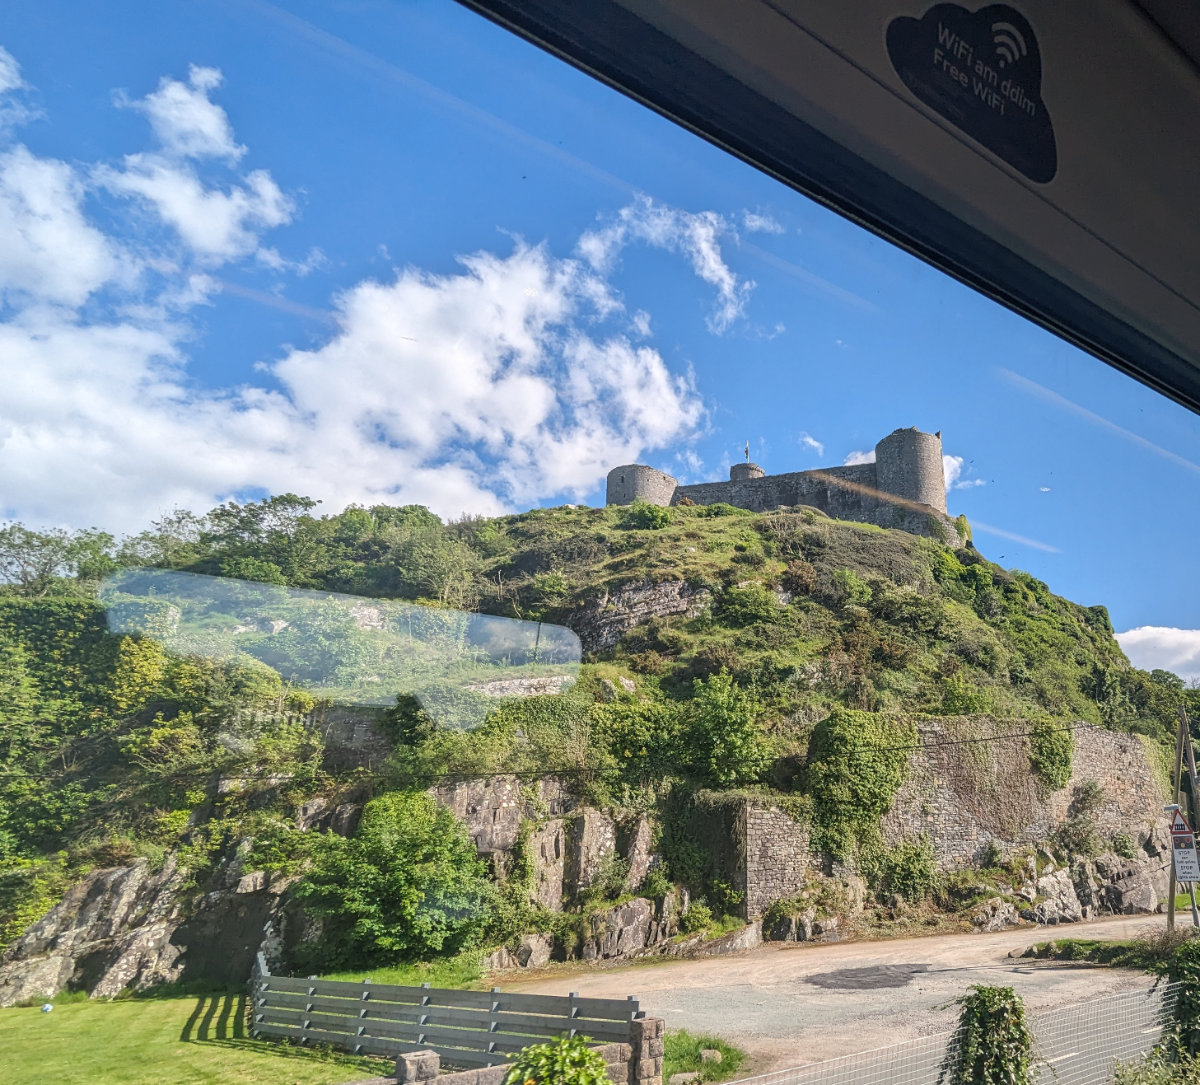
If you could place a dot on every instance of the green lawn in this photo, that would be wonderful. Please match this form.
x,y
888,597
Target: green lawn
x,y
158,1041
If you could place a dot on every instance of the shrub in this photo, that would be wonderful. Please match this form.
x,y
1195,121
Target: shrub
x,y
1050,751
1122,844
698,917
995,1045
407,885
1185,968
715,658
909,869
850,588
961,696
723,731
565,1061
856,763
745,606
800,578
648,517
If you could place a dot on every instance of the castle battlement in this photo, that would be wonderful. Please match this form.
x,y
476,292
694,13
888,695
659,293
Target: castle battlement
x,y
904,488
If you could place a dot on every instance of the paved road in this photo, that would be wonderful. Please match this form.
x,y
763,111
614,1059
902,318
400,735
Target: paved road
x,y
791,1004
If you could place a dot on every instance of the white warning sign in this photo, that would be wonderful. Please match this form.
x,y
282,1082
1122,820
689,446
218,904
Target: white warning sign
x,y
1187,863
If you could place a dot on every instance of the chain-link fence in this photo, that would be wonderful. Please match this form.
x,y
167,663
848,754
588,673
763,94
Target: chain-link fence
x,y
1076,1045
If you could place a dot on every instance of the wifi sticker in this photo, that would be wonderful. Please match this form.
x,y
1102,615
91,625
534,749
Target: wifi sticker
x,y
982,71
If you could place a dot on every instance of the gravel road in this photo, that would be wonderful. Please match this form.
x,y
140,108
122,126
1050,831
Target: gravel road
x,y
789,1004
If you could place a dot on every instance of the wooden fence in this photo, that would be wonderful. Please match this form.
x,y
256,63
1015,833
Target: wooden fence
x,y
467,1028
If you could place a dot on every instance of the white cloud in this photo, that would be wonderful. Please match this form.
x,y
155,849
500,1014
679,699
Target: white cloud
x,y
49,252
186,121
218,226
12,110
10,72
809,441
952,469
482,390
755,223
1155,646
859,457
1044,489
695,235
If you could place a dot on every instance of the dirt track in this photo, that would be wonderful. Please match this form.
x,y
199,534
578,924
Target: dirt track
x,y
767,1002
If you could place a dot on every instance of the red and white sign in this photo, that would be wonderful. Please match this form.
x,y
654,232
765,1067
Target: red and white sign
x,y
1179,824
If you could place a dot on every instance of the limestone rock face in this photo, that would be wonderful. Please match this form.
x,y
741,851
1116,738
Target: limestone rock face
x,y
591,843
639,851
1059,904
547,848
132,927
995,915
605,621
619,931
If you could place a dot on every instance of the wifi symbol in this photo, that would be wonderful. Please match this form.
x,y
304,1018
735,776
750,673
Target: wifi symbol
x,y
1010,45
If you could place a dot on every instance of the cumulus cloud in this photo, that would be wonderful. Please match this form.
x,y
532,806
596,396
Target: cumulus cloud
x,y
512,379
808,441
694,235
216,224
1154,646
49,252
859,457
186,121
755,223
952,471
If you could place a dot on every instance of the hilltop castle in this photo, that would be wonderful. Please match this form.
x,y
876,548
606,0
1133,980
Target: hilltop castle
x,y
904,488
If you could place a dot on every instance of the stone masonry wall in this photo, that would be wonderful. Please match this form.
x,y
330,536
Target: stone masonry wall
x,y
776,857
964,796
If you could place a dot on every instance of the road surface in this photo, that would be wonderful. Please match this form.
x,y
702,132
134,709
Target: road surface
x,y
788,1004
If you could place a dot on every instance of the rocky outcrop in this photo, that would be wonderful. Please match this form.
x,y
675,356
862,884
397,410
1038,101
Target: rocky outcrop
x,y
547,851
134,927
995,915
604,621
591,847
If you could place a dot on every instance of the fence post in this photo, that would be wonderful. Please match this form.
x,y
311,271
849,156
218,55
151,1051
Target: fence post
x,y
423,1016
573,1011
493,1024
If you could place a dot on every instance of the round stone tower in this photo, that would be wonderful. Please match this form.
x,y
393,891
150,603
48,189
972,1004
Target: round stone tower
x,y
908,463
740,471
636,482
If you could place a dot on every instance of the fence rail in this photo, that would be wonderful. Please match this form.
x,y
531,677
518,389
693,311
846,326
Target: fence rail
x,y
467,1028
1074,1045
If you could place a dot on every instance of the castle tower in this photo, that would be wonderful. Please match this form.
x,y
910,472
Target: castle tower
x,y
746,470
636,482
908,463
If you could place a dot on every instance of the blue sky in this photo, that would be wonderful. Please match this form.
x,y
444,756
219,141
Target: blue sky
x,y
383,251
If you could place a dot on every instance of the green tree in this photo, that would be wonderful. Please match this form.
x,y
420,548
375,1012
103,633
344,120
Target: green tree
x,y
724,733
408,885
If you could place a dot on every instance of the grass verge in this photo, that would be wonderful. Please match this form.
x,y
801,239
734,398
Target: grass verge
x,y
681,1055
149,1041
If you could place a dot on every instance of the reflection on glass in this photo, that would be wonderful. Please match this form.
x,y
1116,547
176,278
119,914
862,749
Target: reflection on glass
x,y
345,648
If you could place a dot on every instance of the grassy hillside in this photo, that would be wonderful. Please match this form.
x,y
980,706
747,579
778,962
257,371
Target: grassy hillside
x,y
814,647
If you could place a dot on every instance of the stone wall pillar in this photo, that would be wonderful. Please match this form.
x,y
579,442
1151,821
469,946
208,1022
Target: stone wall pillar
x,y
646,1039
417,1066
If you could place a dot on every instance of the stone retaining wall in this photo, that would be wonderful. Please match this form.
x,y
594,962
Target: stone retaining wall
x,y
968,794
638,1062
